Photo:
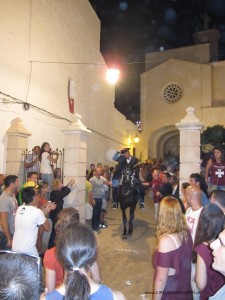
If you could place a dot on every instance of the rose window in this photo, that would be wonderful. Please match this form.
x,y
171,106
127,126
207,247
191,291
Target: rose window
x,y
172,93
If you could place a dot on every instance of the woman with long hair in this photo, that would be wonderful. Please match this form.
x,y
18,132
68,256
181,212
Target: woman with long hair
x,y
76,250
46,161
54,273
215,170
211,223
172,259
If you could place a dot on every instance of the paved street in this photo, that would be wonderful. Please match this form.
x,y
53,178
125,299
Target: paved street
x,y
126,265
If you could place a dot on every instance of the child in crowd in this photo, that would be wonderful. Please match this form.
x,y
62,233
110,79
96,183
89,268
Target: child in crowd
x,y
54,273
78,283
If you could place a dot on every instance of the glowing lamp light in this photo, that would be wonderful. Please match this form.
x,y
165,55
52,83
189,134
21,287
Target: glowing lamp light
x,y
112,75
136,139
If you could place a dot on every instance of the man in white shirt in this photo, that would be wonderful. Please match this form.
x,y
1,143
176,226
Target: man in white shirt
x,y
28,219
97,182
193,196
194,200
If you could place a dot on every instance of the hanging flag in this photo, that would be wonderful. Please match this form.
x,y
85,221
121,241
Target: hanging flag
x,y
71,90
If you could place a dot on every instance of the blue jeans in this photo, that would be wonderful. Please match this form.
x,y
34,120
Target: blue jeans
x,y
115,195
96,213
141,195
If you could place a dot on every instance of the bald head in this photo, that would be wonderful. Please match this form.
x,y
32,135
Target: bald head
x,y
98,172
194,197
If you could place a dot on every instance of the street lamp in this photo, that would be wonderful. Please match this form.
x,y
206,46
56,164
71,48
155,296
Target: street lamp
x,y
136,139
112,75
131,143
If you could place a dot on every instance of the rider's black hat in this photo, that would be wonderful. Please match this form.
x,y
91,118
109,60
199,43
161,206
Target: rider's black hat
x,y
124,150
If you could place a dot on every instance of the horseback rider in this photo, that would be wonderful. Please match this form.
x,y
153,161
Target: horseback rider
x,y
124,158
127,168
126,172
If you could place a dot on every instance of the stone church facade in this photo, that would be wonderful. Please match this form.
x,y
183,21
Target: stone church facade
x,y
174,80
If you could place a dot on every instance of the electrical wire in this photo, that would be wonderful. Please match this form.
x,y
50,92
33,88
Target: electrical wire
x,y
92,63
34,107
66,63
45,112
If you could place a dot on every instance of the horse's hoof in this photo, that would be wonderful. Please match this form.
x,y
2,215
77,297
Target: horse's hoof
x,y
124,237
130,231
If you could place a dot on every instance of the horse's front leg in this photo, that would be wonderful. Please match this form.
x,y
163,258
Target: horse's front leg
x,y
124,236
131,221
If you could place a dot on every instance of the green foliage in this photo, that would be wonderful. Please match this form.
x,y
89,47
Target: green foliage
x,y
214,135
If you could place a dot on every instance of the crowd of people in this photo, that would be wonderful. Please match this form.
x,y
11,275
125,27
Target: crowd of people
x,y
190,236
189,261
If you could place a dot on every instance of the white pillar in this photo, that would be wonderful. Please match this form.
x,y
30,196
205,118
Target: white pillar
x,y
75,163
17,143
190,129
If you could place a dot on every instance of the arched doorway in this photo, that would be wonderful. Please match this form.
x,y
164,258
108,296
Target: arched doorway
x,y
163,141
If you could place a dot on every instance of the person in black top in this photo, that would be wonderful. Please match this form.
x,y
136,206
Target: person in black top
x,y
166,188
57,194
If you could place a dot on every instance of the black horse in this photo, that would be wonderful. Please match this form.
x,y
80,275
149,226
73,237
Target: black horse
x,y
128,198
127,170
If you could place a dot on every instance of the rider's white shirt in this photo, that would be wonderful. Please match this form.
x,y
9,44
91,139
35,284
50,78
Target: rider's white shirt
x,y
129,159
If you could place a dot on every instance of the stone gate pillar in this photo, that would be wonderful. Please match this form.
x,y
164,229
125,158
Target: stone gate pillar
x,y
190,129
75,163
17,143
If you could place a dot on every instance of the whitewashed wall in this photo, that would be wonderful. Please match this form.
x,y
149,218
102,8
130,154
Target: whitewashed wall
x,y
43,43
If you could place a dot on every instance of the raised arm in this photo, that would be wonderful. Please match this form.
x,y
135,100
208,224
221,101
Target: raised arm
x,y
53,160
46,225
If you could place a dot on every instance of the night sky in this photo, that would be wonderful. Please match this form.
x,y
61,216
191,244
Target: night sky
x,y
131,28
